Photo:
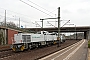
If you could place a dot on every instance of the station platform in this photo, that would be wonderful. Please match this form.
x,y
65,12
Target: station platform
x,y
88,53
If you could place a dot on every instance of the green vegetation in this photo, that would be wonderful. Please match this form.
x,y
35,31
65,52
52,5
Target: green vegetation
x,y
12,25
1,38
89,44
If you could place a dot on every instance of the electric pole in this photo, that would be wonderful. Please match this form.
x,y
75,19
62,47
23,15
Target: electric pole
x,y
5,28
19,22
59,26
5,18
42,22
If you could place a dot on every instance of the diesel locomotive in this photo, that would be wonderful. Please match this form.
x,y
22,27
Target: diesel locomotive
x,y
24,41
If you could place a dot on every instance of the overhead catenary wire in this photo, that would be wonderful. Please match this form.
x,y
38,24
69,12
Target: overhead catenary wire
x,y
51,24
36,8
9,18
11,15
16,13
66,23
41,7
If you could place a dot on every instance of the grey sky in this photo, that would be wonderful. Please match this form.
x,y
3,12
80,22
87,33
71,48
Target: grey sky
x,y
78,11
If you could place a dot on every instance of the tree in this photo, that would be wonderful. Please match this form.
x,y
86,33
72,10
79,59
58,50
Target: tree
x,y
11,25
1,38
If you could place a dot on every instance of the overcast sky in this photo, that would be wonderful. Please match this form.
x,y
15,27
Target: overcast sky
x,y
77,11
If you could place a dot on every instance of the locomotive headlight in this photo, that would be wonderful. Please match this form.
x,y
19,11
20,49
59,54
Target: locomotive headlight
x,y
19,46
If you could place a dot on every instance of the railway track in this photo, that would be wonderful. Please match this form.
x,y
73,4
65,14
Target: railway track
x,y
5,53
60,48
34,54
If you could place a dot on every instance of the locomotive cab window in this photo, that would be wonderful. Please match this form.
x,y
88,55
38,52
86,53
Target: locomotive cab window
x,y
26,38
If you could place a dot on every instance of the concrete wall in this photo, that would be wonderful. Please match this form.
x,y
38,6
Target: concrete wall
x,y
88,35
2,32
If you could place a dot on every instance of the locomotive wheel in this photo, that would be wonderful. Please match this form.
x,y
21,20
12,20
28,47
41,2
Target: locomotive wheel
x,y
22,48
13,49
30,46
55,42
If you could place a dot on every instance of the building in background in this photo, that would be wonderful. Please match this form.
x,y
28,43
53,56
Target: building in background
x,y
6,35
